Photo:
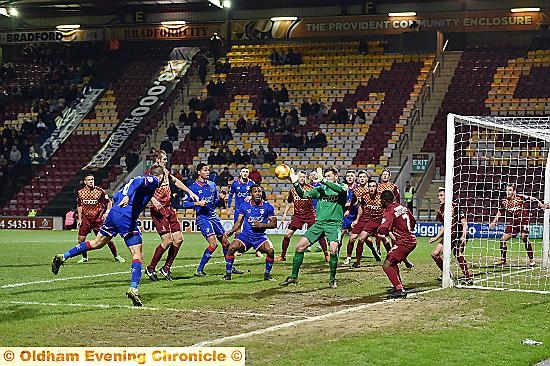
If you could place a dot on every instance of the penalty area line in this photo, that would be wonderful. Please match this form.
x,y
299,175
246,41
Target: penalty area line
x,y
149,308
307,320
13,285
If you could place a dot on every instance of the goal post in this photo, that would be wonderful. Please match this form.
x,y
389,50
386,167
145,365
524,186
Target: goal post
x,y
498,165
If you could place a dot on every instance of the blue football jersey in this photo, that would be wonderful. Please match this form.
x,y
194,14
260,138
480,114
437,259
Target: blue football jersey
x,y
206,191
140,189
252,212
240,190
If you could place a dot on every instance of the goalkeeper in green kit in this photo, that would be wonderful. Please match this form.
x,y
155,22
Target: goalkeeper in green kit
x,y
331,198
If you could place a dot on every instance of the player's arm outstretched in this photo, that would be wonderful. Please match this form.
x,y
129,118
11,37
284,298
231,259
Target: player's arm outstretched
x,y
539,202
312,193
438,236
236,226
178,183
232,192
495,220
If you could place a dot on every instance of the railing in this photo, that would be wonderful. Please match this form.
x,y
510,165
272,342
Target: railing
x,y
424,184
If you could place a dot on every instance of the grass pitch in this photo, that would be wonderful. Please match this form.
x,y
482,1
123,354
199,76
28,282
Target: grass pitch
x,y
85,305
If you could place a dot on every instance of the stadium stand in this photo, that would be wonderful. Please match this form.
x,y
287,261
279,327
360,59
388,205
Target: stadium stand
x,y
384,87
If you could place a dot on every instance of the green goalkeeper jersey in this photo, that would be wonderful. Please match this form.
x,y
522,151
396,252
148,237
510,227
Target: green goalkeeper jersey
x,y
331,200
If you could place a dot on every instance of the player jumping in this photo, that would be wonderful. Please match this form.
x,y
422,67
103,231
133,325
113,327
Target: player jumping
x,y
332,198
166,221
257,216
129,203
304,213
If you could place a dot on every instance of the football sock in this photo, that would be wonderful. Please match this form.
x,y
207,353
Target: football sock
x,y
205,258
333,264
359,251
112,248
323,244
285,244
350,248
229,259
529,248
159,251
172,253
393,274
268,264
77,249
439,261
136,273
225,252
463,265
503,250
296,263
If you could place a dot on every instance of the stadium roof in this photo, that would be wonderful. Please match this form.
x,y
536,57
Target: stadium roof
x,y
42,8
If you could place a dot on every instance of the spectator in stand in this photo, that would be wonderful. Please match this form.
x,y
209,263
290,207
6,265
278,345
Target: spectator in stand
x,y
185,174
314,107
226,66
228,155
132,159
216,46
283,94
192,118
286,139
220,157
245,159
213,117
225,177
323,110
202,63
304,142
363,47
182,118
240,125
213,176
320,140
194,104
274,58
212,158
270,156
167,146
265,111
267,93
172,132
360,116
211,90
225,134
218,67
15,155
255,176
220,88
237,157
305,108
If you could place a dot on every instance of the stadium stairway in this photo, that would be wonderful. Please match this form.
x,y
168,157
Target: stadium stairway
x,y
51,178
468,92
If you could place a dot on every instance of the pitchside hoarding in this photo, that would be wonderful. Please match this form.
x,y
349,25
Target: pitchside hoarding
x,y
475,230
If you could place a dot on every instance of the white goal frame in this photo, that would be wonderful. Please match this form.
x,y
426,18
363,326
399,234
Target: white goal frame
x,y
542,134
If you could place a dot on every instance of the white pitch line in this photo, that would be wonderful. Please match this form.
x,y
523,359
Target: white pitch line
x,y
12,285
302,321
149,308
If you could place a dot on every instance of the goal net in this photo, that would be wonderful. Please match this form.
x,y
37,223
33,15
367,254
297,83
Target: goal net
x,y
498,166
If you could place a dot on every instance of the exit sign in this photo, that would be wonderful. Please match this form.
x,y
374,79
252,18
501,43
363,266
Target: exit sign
x,y
419,163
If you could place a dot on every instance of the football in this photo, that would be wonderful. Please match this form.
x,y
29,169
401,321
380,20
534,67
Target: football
x,y
282,171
